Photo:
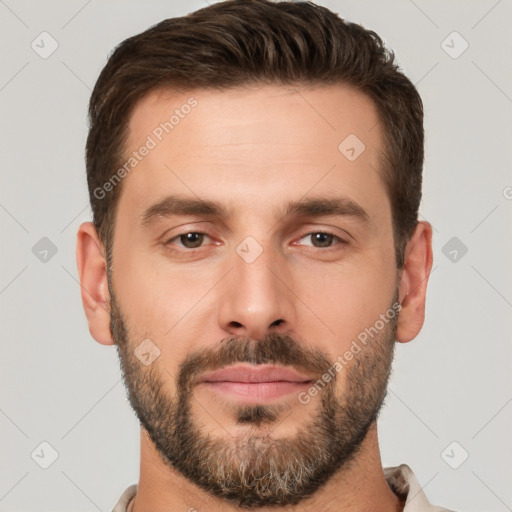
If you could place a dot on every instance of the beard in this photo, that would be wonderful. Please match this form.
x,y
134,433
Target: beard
x,y
255,469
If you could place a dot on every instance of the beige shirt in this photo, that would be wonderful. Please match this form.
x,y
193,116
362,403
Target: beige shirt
x,y
401,479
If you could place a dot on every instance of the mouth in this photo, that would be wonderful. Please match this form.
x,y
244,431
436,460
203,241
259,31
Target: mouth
x,y
255,384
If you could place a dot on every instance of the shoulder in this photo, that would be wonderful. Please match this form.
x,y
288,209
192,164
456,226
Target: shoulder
x,y
404,484
124,500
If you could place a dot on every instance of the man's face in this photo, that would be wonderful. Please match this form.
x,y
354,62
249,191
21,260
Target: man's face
x,y
257,288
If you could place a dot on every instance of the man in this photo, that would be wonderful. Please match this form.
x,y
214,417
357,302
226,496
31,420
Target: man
x,y
254,171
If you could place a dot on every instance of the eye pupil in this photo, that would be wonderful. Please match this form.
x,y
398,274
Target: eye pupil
x,y
192,240
324,239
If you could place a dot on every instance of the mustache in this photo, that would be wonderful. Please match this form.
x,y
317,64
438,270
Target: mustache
x,y
273,348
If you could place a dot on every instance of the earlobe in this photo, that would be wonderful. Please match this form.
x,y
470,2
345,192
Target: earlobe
x,y
92,272
413,282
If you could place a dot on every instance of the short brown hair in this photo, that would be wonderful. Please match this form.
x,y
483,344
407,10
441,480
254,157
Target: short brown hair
x,y
240,42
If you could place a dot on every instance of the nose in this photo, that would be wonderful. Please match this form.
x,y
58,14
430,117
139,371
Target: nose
x,y
256,299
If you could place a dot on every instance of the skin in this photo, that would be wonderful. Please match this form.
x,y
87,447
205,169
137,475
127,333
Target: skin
x,y
253,150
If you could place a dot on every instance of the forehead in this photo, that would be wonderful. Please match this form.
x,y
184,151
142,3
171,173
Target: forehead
x,y
244,140
254,114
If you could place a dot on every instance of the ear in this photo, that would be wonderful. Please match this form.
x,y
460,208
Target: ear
x,y
413,282
92,272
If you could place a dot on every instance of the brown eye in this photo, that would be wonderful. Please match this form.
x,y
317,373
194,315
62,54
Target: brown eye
x,y
322,239
191,240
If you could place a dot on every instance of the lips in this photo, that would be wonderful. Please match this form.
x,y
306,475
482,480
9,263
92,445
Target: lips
x,y
251,385
250,374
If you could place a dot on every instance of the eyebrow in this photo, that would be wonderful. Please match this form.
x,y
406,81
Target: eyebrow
x,y
175,205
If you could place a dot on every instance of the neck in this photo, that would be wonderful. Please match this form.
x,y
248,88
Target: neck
x,y
359,487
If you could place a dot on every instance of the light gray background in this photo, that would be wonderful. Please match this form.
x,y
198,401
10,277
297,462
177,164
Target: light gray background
x,y
453,383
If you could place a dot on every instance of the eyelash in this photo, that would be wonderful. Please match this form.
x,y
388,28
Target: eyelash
x,y
325,232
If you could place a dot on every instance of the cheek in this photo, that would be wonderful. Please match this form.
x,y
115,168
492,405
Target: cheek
x,y
165,303
347,297
151,301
